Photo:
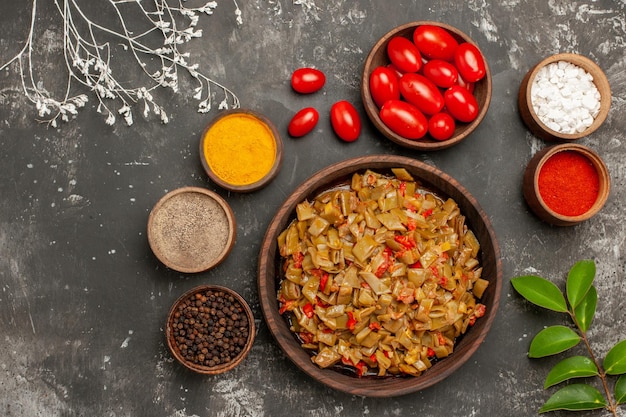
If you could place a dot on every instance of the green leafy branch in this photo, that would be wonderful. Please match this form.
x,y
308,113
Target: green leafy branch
x,y
580,305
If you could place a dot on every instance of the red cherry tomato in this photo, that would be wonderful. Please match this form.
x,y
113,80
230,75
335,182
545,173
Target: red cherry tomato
x,y
442,73
435,42
345,121
422,93
384,85
404,119
470,63
303,122
461,104
441,126
307,80
404,54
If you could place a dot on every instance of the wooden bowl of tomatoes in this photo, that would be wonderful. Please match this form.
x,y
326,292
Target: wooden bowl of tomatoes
x,y
275,272
426,85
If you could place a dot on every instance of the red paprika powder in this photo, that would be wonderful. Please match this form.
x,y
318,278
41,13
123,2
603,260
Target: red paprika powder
x,y
569,183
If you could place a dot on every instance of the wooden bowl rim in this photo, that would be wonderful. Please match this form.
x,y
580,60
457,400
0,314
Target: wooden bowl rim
x,y
599,79
208,263
372,387
532,185
206,370
271,174
426,143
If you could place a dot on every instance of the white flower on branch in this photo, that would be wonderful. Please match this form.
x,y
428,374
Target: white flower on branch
x,y
208,8
110,119
127,114
88,61
161,24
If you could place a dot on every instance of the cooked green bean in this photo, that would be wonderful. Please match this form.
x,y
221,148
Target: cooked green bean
x,y
381,276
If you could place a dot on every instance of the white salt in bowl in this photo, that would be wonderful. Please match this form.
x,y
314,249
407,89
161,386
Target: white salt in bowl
x,y
555,95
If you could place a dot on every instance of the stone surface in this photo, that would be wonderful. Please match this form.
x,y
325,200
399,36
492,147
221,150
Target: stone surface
x,y
83,301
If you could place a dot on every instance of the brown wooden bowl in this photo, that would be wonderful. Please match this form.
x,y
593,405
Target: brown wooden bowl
x,y
241,154
191,229
532,192
231,298
378,56
269,275
534,122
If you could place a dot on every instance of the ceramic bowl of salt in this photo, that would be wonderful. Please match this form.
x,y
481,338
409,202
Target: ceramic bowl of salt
x,y
564,97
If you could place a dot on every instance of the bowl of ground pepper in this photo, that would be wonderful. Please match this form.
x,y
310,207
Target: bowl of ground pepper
x,y
191,229
566,184
210,329
241,150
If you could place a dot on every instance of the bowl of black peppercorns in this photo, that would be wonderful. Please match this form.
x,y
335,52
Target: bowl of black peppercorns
x,y
210,329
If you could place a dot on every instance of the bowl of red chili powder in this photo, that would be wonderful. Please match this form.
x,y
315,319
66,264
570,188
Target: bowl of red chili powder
x,y
566,184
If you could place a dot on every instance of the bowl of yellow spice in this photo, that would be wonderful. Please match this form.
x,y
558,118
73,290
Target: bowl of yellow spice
x,y
241,150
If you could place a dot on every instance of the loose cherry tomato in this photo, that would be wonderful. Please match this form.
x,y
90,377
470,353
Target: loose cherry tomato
x,y
422,93
307,80
303,122
441,126
440,72
461,104
470,63
345,121
404,54
435,42
384,85
404,119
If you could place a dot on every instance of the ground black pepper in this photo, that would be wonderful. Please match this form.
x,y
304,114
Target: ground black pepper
x,y
210,328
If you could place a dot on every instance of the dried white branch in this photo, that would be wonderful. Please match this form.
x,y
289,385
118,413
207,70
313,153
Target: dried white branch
x,y
88,58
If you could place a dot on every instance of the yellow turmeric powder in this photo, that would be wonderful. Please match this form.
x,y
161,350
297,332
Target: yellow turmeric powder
x,y
240,149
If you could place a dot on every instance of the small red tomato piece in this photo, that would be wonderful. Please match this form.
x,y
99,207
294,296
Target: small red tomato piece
x,y
441,126
440,72
307,80
308,310
345,121
404,54
404,119
384,85
461,104
435,42
421,92
469,62
303,122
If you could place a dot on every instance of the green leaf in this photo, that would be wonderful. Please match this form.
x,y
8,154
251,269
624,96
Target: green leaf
x,y
552,340
541,292
575,397
615,360
620,390
574,367
579,279
586,310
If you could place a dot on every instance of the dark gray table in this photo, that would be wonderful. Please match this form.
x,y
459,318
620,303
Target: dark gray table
x,y
83,301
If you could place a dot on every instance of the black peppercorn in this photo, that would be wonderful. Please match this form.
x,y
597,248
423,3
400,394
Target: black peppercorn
x,y
210,328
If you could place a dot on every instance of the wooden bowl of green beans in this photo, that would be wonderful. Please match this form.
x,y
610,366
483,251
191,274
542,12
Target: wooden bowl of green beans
x,y
283,316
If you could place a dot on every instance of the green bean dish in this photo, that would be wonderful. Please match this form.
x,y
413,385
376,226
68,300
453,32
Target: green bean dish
x,y
380,276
